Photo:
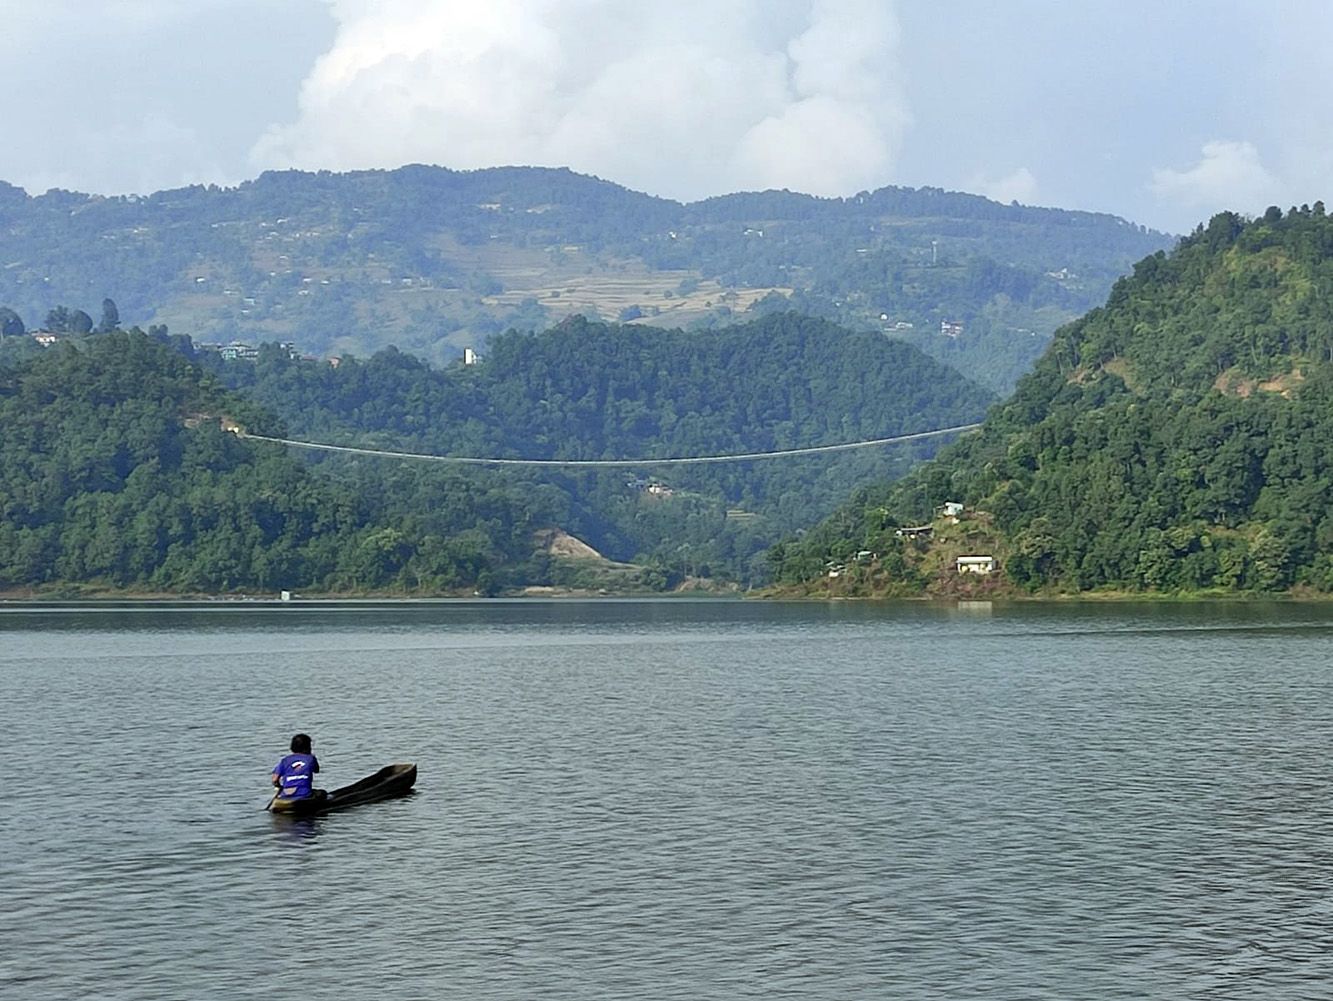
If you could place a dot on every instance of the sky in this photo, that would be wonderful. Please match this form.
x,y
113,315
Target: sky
x,y
1160,111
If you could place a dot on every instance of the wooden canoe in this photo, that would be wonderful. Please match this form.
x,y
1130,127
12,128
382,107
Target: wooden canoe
x,y
388,782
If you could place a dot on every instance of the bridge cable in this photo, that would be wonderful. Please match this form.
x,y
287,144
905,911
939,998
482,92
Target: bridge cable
x,y
610,463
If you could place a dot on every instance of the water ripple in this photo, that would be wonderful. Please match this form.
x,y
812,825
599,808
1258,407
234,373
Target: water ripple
x,y
644,800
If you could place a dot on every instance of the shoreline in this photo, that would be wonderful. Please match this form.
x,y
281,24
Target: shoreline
x,y
99,596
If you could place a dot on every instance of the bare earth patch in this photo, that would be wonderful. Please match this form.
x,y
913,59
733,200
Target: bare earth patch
x,y
1233,383
560,543
1284,384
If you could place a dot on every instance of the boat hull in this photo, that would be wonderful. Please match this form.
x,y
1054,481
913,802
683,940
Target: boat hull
x,y
388,782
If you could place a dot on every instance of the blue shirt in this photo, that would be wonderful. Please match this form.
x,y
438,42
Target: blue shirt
x,y
296,775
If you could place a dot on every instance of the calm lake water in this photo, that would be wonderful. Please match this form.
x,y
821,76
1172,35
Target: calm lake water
x,y
672,799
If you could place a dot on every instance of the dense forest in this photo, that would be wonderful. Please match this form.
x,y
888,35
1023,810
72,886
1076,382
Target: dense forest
x,y
432,260
1177,439
115,470
585,390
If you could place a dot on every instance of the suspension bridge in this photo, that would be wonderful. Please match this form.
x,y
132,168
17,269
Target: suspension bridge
x,y
462,460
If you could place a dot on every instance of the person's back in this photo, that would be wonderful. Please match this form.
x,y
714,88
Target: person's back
x,y
294,775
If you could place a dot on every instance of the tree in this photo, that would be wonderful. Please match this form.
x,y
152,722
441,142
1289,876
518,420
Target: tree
x,y
110,317
11,324
63,320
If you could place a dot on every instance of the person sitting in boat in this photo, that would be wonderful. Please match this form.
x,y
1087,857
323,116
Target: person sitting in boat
x,y
294,775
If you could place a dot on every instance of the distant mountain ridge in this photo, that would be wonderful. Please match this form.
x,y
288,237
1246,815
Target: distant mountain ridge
x,y
433,260
1180,438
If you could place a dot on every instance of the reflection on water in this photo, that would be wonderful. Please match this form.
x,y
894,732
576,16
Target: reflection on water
x,y
295,830
983,609
672,800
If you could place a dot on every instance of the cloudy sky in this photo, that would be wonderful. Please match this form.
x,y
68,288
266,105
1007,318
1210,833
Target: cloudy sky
x,y
1162,111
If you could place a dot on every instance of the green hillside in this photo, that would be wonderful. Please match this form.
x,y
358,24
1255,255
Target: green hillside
x,y
585,390
432,261
116,470
1177,439
115,474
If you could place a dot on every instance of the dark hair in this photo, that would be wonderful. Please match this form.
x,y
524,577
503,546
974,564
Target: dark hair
x,y
301,743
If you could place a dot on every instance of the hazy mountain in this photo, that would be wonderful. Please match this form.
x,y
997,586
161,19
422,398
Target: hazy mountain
x,y
433,260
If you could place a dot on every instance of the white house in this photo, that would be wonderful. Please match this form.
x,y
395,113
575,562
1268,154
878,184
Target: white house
x,y
976,564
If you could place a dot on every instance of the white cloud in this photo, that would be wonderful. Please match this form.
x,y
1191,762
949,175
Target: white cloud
x,y
167,92
1018,186
144,156
698,99
1230,175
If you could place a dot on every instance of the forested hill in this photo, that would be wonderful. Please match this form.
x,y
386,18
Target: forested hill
x,y
115,473
585,390
115,470
432,261
1178,438
588,390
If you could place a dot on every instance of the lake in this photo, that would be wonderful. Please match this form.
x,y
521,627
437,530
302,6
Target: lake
x,y
671,799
